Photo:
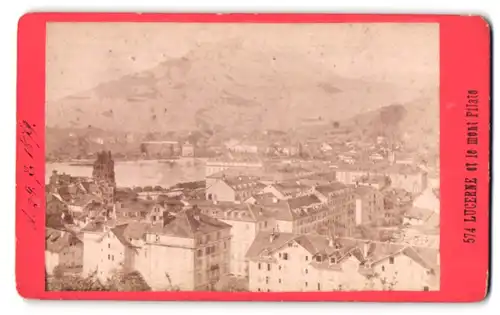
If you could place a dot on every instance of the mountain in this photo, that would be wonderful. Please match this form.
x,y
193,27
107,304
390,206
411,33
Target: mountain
x,y
224,88
415,124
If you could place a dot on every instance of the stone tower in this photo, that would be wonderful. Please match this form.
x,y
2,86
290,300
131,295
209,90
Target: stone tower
x,y
104,168
104,176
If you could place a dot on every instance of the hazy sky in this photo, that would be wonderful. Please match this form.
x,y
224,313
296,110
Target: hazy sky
x,y
82,55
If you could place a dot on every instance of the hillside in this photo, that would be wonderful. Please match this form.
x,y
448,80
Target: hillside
x,y
415,124
223,89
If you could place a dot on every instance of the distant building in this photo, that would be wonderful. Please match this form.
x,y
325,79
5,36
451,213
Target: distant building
x,y
369,205
63,249
304,214
187,150
161,149
421,216
247,162
286,190
340,199
428,199
233,189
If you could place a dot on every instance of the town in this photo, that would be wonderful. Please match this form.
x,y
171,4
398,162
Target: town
x,y
266,218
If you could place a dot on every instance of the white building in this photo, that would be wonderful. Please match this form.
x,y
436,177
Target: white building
x,y
282,262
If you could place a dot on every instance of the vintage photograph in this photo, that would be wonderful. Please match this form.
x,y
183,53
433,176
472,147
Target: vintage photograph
x,y
242,157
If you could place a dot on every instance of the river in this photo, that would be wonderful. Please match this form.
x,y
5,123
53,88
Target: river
x,y
140,173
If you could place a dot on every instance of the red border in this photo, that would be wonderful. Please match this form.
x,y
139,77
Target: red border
x,y
465,65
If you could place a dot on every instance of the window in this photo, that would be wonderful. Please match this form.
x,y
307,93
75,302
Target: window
x,y
383,268
258,289
268,267
318,258
319,286
307,271
426,288
267,280
259,266
200,253
332,260
391,260
285,256
279,267
290,244
157,238
306,284
109,257
268,290
279,280
307,258
113,258
265,224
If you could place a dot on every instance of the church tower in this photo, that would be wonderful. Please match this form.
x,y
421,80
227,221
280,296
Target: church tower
x,y
104,168
104,176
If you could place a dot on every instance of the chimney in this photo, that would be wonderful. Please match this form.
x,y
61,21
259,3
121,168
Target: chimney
x,y
366,248
196,213
331,242
272,236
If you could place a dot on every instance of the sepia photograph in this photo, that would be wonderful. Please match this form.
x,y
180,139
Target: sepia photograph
x,y
242,157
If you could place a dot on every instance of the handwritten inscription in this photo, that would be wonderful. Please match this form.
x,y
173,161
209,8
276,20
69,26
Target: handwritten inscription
x,y
471,167
28,140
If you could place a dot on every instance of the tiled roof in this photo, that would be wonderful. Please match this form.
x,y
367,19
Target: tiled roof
x,y
130,231
368,253
187,223
326,189
83,200
137,205
291,187
364,190
57,240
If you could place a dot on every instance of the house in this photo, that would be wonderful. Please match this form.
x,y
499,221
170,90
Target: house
x,y
376,181
401,267
200,245
109,248
63,249
340,199
187,150
287,189
250,162
369,204
428,199
79,203
304,214
232,189
407,177
137,209
246,221
281,262
325,147
421,216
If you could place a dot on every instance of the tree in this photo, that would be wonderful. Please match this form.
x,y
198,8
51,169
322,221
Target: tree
x,y
127,281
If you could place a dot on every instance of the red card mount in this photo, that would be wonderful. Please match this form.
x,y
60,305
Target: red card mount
x,y
314,264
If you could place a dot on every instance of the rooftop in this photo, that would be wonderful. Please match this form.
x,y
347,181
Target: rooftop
x,y
188,223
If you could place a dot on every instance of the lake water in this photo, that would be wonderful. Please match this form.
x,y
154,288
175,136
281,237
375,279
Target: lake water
x,y
140,173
